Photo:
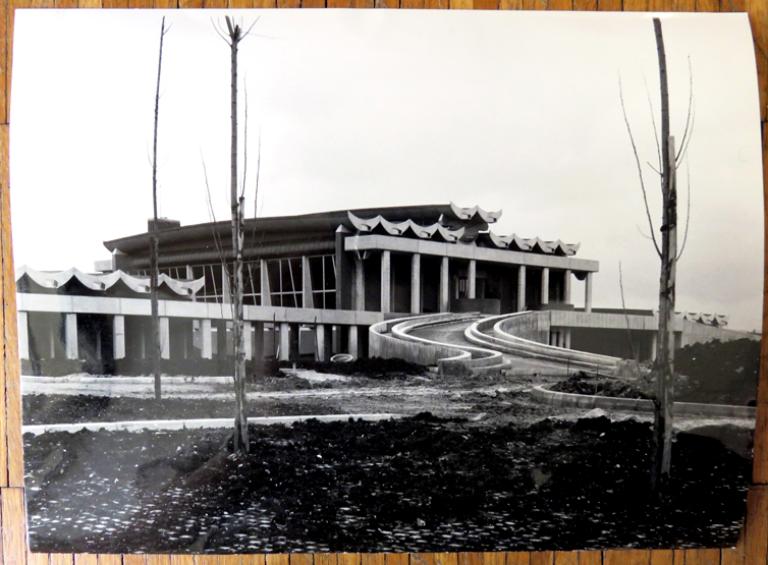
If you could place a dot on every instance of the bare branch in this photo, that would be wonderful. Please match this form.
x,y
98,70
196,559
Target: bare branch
x,y
687,210
687,131
245,139
219,32
684,150
654,169
639,169
258,174
250,28
653,122
642,233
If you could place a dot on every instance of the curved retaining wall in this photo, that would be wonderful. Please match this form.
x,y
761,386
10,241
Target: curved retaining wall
x,y
520,334
392,339
588,402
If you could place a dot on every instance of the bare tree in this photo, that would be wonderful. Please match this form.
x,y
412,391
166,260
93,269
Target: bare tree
x,y
233,37
668,162
154,251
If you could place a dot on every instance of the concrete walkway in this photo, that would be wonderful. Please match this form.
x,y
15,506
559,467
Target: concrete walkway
x,y
197,424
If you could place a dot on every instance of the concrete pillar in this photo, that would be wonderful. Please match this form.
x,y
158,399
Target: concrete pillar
x,y
22,325
258,340
472,279
285,342
190,274
266,297
335,339
567,343
294,354
359,289
165,338
118,337
206,339
567,286
248,339
545,285
444,296
416,283
654,345
307,298
588,293
70,336
352,345
521,288
386,282
320,343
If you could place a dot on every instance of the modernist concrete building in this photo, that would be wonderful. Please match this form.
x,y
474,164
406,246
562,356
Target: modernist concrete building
x,y
314,284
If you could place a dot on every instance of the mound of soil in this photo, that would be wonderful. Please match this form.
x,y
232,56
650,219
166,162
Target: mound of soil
x,y
68,409
719,372
417,484
582,383
373,367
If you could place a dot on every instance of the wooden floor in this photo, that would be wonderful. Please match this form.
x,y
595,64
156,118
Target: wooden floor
x,y
753,546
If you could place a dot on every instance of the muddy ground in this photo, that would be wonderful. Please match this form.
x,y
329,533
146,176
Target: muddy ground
x,y
416,484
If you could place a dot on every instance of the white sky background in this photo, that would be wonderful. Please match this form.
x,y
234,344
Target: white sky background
x,y
510,110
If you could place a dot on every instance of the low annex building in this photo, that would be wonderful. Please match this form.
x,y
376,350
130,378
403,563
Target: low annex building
x,y
313,285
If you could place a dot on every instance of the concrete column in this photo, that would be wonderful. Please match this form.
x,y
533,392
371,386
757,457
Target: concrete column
x,y
521,288
190,274
416,283
352,345
472,279
588,293
335,339
386,282
266,297
206,339
444,297
22,325
307,298
294,354
70,336
654,345
165,338
567,344
248,339
567,286
359,289
320,343
258,340
545,285
118,337
285,341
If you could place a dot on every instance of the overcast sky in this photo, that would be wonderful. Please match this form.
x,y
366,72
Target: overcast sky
x,y
507,110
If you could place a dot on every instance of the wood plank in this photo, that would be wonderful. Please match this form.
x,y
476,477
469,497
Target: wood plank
x,y
585,5
158,559
378,558
485,4
732,5
354,559
662,557
300,559
732,556
191,4
702,557
38,559
206,560
86,559
446,559
182,559
542,557
66,4
10,374
473,558
215,4
313,3
534,4
627,557
5,65
233,560
277,559
590,558
609,5
707,5
460,4
140,4
678,557
89,4
110,559
325,559
132,559
511,4
494,558
166,4
120,4
421,559
4,192
238,4
13,526
68,559
251,559
567,558
387,4
560,5
518,558
635,5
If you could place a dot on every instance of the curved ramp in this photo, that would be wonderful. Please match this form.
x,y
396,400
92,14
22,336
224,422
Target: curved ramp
x,y
470,344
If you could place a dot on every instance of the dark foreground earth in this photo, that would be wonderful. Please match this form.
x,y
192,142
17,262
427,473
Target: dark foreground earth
x,y
415,484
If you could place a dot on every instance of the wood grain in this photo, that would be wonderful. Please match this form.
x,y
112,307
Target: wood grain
x,y
14,527
590,558
567,558
627,557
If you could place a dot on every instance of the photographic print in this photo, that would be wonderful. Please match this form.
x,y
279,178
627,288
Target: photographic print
x,y
385,281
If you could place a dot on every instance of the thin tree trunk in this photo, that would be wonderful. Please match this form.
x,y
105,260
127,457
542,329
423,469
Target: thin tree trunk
x,y
664,366
154,251
241,421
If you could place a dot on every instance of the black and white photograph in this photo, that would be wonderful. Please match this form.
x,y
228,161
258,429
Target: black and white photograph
x,y
385,281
